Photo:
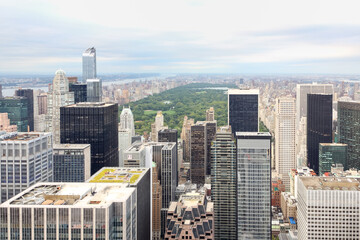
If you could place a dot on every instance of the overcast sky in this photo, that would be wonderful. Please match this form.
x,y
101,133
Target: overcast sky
x,y
173,36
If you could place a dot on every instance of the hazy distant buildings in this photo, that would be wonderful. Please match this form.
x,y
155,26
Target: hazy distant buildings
x,y
191,217
328,208
223,184
26,158
72,162
319,126
72,211
94,90
58,96
349,129
17,109
243,110
285,138
89,64
95,124
29,95
253,185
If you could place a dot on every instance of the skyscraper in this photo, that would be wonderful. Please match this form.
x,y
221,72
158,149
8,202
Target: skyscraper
x,y
80,91
253,185
58,96
319,126
26,158
89,64
94,90
349,131
185,137
157,126
331,153
170,135
243,110
198,153
95,124
127,120
126,132
17,108
210,114
29,95
72,162
285,138
156,203
223,184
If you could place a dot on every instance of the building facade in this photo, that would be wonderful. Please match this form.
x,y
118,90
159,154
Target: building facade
x,y
198,153
95,124
210,114
71,211
72,162
29,95
349,131
5,123
26,158
319,126
94,90
332,153
156,203
243,110
285,138
80,91
223,184
17,109
89,64
253,185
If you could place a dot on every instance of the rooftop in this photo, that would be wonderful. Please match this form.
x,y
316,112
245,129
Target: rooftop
x,y
74,194
333,144
70,146
330,183
243,91
253,134
118,175
18,136
90,104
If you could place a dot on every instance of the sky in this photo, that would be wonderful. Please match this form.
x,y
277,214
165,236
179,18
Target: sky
x,y
181,36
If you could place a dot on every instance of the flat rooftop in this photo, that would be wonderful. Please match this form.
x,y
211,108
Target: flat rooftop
x,y
135,147
330,183
73,194
253,135
334,144
19,136
90,104
118,175
243,91
70,146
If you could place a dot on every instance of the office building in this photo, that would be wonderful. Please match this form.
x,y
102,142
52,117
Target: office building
x,y
254,185
285,138
29,95
137,156
42,103
95,124
191,217
319,126
210,114
26,158
71,211
127,120
348,129
331,153
302,90
328,208
210,135
223,184
17,109
5,123
156,203
139,178
124,143
58,96
72,80
89,64
94,90
243,110
186,136
157,126
170,135
80,91
288,206
72,162
126,132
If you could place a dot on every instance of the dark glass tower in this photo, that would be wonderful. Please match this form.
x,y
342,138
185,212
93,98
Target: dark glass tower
x,y
210,135
349,131
95,124
17,109
319,126
223,184
29,94
170,135
80,92
243,110
198,153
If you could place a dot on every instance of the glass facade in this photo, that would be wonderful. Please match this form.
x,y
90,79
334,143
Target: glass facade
x,y
330,154
17,109
29,94
80,92
89,64
319,126
94,90
198,154
94,124
243,112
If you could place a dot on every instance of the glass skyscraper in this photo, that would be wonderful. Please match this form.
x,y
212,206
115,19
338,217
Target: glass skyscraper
x,y
29,94
17,109
253,185
89,64
331,153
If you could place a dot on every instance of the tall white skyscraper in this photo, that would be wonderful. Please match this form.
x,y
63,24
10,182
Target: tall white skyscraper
x,y
26,158
58,96
127,120
89,64
253,185
126,132
285,138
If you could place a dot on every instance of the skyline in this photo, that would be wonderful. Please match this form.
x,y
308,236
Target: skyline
x,y
257,37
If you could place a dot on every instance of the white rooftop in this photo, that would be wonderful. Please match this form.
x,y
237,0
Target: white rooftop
x,y
243,91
